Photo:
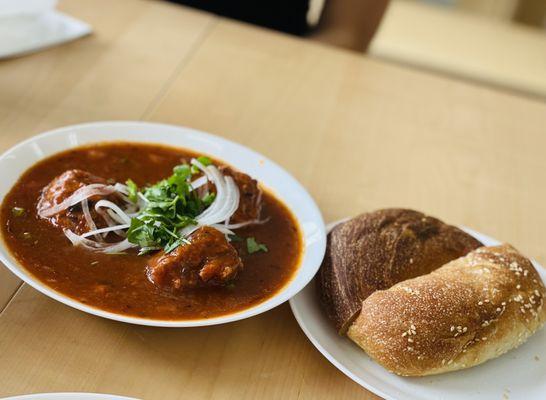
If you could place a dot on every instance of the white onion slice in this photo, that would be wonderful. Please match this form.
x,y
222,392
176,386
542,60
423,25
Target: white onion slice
x,y
110,222
222,229
89,219
227,196
113,210
101,247
201,181
94,189
119,247
246,223
105,230
120,187
224,205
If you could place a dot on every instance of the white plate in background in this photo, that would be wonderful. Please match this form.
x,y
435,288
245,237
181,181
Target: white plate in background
x,y
517,375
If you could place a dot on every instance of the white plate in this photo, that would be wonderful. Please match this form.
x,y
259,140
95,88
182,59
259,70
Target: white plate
x,y
68,396
19,158
25,33
515,375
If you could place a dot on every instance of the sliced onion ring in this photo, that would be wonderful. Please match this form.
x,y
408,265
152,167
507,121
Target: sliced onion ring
x,y
95,189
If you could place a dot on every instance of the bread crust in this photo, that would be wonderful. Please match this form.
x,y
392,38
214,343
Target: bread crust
x,y
470,310
379,249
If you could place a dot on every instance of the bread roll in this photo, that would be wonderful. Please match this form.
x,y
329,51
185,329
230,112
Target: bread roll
x,y
376,250
469,311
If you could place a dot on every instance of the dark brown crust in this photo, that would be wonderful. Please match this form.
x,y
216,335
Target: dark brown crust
x,y
379,249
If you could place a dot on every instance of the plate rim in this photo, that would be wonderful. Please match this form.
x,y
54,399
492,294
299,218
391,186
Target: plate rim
x,y
300,318
279,298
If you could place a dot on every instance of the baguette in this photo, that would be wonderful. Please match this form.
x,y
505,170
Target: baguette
x,y
470,310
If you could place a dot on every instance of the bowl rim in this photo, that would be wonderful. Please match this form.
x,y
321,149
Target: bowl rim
x,y
288,290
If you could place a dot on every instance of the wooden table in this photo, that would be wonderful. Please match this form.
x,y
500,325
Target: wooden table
x,y
358,133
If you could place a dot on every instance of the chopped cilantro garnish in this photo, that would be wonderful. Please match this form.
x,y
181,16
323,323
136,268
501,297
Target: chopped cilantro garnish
x,y
235,238
204,160
208,199
252,246
18,211
133,190
171,206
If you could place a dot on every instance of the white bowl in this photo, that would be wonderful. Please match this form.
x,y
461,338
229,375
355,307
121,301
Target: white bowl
x,y
517,375
24,155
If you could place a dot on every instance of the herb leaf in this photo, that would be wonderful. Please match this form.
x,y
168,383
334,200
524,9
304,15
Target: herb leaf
x,y
252,246
18,211
204,160
133,190
171,206
235,238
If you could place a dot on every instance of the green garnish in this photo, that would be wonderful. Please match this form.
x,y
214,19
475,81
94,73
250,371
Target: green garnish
x,y
203,160
208,199
133,190
252,246
171,206
18,211
235,238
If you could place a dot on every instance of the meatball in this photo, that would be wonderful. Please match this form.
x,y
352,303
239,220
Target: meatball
x,y
207,260
59,189
250,203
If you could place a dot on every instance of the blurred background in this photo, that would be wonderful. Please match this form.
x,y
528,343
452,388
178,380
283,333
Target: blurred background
x,y
495,42
501,43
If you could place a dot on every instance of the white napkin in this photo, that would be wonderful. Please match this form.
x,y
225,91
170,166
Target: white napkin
x,y
31,25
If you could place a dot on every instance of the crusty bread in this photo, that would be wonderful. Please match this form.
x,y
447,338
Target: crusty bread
x,y
470,310
376,250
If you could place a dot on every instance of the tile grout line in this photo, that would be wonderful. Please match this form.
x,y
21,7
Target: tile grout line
x,y
178,69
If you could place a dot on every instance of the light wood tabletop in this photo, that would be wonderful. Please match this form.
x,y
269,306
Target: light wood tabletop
x,y
359,134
